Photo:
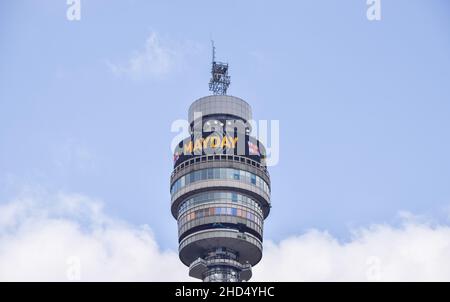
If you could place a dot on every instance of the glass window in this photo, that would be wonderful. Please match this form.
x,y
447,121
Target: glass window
x,y
253,179
229,197
234,211
219,173
234,197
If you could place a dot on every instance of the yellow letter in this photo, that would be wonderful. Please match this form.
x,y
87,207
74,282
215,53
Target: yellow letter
x,y
234,141
225,142
198,144
215,141
188,148
205,142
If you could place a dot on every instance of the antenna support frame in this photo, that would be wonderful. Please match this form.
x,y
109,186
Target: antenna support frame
x,y
220,80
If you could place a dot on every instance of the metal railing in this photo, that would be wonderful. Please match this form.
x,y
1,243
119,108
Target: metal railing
x,y
219,157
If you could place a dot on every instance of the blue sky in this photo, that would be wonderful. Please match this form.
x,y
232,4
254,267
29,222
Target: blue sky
x,y
363,106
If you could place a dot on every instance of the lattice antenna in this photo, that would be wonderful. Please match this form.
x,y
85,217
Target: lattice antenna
x,y
220,80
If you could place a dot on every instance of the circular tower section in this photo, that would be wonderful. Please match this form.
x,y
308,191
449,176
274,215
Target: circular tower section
x,y
220,191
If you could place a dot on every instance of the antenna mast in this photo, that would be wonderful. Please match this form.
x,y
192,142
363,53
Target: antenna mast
x,y
213,52
220,80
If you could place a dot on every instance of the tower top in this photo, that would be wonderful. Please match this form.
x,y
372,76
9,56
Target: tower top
x,y
220,80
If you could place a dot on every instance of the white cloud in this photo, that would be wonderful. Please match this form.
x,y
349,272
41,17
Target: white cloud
x,y
46,237
413,252
158,58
